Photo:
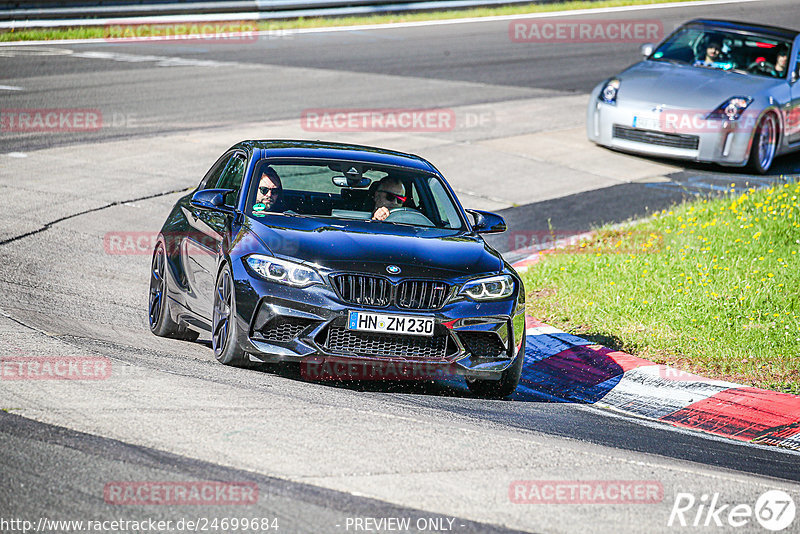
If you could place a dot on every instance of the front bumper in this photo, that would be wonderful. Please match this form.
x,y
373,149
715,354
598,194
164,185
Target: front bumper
x,y
281,323
674,133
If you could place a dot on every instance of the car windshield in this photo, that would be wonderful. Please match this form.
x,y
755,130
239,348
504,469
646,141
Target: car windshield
x,y
705,47
351,190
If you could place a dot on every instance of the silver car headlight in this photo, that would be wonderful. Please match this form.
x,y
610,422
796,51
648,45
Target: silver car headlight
x,y
490,288
609,92
731,109
283,271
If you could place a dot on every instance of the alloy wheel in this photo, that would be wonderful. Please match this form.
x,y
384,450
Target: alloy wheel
x,y
766,142
157,286
222,313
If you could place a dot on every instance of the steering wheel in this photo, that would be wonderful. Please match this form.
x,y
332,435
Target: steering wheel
x,y
408,216
764,66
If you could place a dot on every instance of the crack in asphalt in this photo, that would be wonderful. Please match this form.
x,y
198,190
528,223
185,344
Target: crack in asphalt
x,y
24,325
47,226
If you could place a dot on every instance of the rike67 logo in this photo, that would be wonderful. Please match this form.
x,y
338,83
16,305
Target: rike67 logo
x,y
774,510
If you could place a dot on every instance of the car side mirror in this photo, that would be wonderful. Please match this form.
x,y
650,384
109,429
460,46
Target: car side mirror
x,y
795,75
212,199
647,49
487,222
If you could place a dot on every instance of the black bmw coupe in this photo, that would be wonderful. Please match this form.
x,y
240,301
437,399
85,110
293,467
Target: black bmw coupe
x,y
307,251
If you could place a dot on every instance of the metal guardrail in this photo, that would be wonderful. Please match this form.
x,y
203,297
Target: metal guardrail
x,y
82,9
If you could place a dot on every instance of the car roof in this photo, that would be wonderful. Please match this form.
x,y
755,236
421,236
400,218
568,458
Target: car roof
x,y
773,31
297,148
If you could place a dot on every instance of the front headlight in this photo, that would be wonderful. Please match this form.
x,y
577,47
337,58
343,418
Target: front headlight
x,y
491,288
731,109
609,92
283,271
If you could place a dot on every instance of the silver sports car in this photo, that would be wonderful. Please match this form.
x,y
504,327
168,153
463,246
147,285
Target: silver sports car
x,y
713,91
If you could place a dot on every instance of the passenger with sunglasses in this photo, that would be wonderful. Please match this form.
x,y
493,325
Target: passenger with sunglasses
x,y
270,189
389,194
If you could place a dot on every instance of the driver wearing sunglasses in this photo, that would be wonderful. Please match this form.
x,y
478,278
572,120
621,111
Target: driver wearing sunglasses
x,y
269,191
390,194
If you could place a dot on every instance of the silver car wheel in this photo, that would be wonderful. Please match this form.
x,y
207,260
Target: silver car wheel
x,y
767,135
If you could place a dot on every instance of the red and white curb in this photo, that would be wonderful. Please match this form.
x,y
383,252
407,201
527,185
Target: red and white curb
x,y
566,368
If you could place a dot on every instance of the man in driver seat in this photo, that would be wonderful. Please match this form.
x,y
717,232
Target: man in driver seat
x,y
389,194
714,57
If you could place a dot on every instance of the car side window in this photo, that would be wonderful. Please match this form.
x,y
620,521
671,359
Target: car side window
x,y
447,212
231,178
797,64
212,176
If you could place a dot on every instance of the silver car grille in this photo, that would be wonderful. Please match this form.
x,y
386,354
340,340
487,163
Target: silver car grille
x,y
652,137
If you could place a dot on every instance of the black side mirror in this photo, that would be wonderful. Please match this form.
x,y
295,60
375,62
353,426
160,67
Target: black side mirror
x,y
212,199
487,222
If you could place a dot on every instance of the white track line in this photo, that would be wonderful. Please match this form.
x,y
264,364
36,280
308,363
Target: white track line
x,y
363,27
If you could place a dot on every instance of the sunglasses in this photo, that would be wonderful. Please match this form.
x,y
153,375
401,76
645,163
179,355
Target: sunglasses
x,y
398,199
266,190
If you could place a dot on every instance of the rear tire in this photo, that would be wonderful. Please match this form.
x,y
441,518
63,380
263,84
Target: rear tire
x,y
224,331
159,316
765,145
509,380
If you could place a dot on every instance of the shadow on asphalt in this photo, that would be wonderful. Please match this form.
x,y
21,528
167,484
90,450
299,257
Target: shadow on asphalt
x,y
581,374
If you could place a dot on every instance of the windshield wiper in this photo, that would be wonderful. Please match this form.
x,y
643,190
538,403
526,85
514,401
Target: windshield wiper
x,y
671,60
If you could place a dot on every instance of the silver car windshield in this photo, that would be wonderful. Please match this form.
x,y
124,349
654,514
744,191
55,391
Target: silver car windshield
x,y
713,48
352,190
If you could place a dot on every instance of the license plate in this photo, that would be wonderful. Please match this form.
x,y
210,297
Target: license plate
x,y
646,123
390,324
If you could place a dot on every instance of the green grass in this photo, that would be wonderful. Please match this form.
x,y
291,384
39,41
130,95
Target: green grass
x,y
99,32
709,286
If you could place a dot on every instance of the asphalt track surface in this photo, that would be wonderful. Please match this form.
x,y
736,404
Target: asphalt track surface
x,y
319,453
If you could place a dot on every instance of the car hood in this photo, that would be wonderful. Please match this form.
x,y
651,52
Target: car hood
x,y
366,246
686,87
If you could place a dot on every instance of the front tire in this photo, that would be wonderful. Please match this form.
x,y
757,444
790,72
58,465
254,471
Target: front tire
x,y
509,380
160,318
224,332
765,144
